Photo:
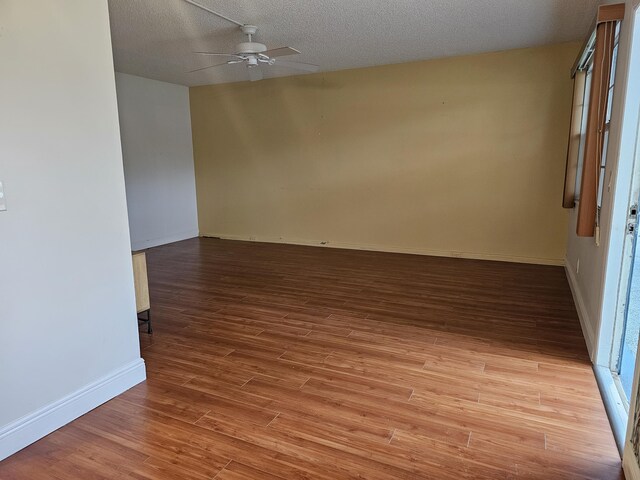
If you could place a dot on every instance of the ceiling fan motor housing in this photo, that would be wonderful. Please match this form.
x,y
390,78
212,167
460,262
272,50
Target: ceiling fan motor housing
x,y
250,47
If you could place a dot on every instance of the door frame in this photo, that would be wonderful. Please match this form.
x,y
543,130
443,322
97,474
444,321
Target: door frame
x,y
621,153
622,150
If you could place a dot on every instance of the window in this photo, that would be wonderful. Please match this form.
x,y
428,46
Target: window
x,y
607,124
583,127
588,67
594,75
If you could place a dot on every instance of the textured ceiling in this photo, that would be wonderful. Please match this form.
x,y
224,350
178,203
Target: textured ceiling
x,y
156,38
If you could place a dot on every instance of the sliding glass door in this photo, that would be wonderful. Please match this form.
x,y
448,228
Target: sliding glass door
x,y
626,328
624,360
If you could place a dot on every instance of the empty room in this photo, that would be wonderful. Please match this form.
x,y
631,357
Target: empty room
x,y
319,240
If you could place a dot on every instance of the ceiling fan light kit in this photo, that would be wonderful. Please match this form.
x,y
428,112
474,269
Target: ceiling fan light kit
x,y
253,54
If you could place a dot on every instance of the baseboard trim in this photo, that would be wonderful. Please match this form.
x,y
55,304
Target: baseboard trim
x,y
583,315
156,242
630,464
391,249
32,427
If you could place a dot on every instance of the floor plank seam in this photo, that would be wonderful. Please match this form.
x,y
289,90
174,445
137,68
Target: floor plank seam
x,y
187,381
207,413
221,470
324,360
304,383
272,420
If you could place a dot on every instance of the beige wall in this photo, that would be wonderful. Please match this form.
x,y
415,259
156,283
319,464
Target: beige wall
x,y
462,156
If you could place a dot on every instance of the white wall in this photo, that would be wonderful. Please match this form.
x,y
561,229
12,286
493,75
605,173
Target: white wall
x,y
595,284
68,330
155,125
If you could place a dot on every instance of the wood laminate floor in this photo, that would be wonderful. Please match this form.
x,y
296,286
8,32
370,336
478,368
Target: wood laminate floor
x,y
288,362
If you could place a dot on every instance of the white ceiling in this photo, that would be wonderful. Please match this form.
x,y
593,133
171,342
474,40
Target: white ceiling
x,y
156,38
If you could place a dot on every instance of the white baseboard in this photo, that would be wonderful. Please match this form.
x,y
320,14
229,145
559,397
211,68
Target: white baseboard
x,y
32,427
583,314
390,249
630,464
155,242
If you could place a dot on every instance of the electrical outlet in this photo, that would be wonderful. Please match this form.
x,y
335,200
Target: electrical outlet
x,y
3,203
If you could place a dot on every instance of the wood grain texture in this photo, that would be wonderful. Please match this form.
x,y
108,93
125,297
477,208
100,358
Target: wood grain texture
x,y
288,362
611,13
140,281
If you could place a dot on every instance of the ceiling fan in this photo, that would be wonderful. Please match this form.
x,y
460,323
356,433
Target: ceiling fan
x,y
253,54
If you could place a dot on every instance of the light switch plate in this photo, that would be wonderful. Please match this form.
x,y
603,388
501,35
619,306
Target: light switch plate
x,y
3,202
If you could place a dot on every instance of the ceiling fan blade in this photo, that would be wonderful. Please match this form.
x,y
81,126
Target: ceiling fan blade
x,y
205,68
255,74
214,54
307,67
281,52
